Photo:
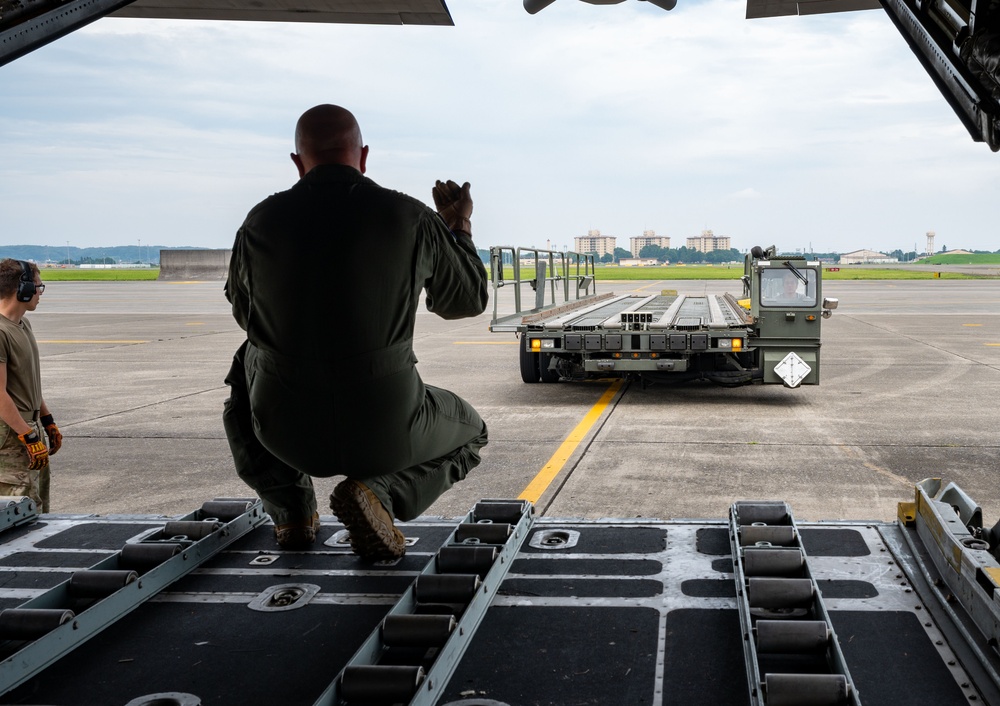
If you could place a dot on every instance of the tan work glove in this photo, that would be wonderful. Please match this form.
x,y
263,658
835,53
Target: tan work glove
x,y
38,455
454,204
52,431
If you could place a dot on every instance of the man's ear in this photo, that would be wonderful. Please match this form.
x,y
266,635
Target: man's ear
x,y
364,158
298,164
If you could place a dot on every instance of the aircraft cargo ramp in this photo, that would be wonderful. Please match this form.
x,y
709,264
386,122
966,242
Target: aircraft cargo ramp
x,y
502,608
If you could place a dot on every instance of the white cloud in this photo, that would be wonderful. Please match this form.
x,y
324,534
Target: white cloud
x,y
621,118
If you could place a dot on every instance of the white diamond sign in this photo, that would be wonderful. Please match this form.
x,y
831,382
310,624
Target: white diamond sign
x,y
792,370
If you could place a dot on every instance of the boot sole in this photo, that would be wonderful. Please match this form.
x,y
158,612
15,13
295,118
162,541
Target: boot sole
x,y
370,536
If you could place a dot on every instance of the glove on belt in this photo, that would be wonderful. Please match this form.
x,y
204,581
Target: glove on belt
x,y
38,455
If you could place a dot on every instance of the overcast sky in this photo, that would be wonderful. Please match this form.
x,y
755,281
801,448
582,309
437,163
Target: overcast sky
x,y
820,133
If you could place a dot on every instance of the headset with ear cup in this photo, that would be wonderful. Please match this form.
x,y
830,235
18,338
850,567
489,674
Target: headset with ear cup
x,y
26,285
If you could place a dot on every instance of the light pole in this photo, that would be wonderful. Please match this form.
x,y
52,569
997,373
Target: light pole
x,y
68,261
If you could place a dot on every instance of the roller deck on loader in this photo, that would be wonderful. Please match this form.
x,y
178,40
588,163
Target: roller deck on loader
x,y
502,607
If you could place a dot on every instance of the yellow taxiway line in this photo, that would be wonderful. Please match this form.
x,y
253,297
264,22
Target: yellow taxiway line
x,y
540,483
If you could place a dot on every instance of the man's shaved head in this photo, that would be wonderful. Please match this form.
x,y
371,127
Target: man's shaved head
x,y
328,134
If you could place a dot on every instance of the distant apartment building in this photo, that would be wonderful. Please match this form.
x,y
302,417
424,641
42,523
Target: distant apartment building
x,y
708,241
648,237
594,242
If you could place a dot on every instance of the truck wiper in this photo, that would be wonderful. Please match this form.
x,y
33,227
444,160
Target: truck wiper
x,y
798,274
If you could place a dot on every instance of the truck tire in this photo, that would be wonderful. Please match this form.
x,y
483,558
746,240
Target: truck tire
x,y
544,372
529,364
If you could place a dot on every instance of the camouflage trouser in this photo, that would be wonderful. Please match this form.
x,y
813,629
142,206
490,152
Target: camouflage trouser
x,y
15,478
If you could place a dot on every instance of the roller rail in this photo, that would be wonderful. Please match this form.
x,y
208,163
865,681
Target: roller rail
x,y
16,510
944,546
792,654
412,654
67,615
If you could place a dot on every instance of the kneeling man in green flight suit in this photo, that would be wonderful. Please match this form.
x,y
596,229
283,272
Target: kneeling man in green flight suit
x,y
326,383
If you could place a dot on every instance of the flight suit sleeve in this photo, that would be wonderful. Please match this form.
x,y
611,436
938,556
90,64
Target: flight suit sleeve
x,y
456,285
237,290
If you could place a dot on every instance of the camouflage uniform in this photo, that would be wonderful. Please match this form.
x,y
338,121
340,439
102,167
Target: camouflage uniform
x,y
15,478
20,353
326,279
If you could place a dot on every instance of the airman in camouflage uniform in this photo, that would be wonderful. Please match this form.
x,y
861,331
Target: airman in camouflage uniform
x,y
24,416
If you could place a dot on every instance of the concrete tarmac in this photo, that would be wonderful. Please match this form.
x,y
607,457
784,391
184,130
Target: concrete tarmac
x,y
133,373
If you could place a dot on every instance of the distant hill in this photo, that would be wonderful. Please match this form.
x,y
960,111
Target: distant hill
x,y
59,254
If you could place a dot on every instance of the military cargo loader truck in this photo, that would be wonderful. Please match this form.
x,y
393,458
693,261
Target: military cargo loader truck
x,y
567,331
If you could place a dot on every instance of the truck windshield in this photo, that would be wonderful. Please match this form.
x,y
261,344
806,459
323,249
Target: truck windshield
x,y
783,287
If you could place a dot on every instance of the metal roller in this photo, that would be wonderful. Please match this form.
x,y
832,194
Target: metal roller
x,y
192,529
483,532
31,623
225,510
380,684
806,689
498,512
792,636
9,500
762,561
166,698
446,588
417,630
774,593
99,583
778,535
143,557
768,513
466,559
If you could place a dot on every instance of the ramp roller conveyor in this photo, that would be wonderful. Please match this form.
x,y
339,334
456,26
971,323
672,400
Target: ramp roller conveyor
x,y
61,619
411,656
670,315
615,321
573,317
791,651
16,510
716,318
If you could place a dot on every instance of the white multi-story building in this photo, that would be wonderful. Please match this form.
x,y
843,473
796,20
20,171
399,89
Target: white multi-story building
x,y
648,237
594,242
708,241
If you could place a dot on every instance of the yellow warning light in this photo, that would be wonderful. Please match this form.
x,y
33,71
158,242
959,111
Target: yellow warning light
x,y
536,344
737,344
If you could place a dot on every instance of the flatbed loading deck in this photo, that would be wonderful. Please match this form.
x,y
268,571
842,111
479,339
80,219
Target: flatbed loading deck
x,y
658,311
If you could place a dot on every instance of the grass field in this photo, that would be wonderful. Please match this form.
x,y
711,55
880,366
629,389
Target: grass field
x,y
604,273
700,272
52,274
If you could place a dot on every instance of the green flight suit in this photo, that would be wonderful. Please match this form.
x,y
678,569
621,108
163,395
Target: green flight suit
x,y
326,279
